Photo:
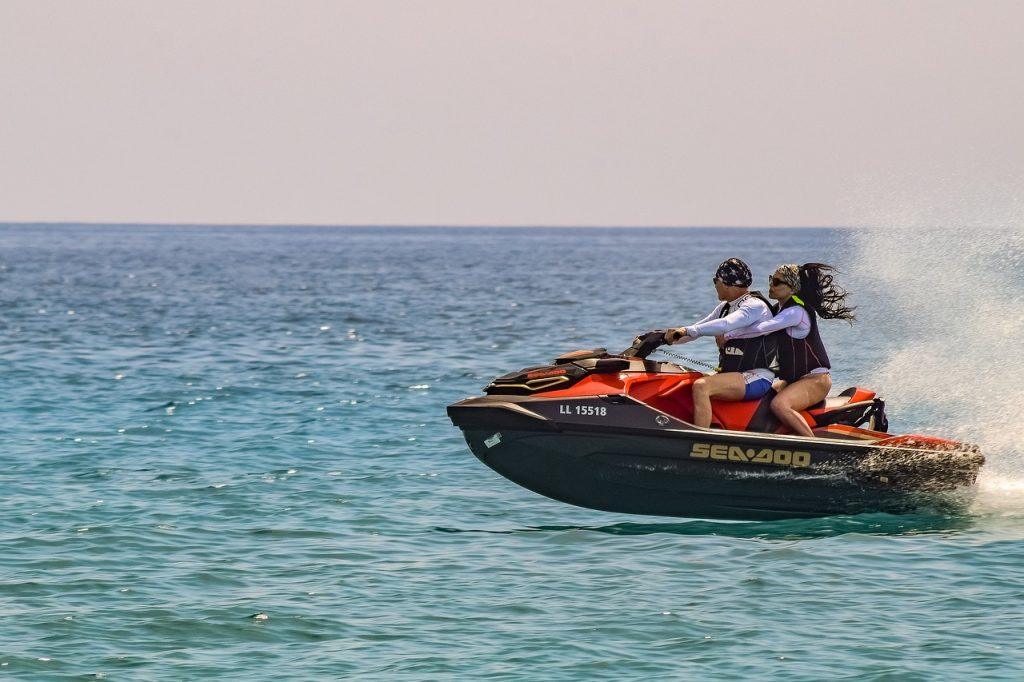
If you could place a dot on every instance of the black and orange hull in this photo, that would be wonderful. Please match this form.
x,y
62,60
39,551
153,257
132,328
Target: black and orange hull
x,y
616,454
615,433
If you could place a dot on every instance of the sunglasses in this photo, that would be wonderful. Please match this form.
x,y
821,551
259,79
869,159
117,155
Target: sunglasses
x,y
775,281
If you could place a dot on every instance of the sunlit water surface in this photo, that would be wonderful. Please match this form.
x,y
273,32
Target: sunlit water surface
x,y
225,452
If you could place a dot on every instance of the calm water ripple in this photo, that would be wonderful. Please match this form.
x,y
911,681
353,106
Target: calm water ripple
x,y
225,453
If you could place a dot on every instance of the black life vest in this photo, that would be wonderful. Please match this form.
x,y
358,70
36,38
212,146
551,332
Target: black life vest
x,y
740,355
797,357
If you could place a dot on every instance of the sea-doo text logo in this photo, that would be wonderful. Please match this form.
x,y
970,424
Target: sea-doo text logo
x,y
734,453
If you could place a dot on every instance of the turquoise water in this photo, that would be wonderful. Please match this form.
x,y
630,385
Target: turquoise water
x,y
225,453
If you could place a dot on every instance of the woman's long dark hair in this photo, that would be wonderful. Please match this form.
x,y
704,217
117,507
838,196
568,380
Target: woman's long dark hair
x,y
818,290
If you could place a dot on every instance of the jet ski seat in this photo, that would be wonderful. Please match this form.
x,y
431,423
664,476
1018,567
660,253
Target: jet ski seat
x,y
845,398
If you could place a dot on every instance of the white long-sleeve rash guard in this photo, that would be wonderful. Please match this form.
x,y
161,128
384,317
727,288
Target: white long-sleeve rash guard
x,y
794,320
744,313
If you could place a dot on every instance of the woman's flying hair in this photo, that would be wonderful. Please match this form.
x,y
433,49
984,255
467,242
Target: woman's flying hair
x,y
819,291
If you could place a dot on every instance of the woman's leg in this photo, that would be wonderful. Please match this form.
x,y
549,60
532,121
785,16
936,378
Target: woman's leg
x,y
727,386
797,396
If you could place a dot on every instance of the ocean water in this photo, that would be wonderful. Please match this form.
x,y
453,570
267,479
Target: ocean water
x,y
225,453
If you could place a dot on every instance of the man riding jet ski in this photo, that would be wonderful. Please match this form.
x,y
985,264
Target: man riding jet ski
x,y
616,432
747,360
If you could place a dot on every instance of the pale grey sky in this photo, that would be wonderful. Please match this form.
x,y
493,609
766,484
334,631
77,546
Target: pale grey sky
x,y
503,113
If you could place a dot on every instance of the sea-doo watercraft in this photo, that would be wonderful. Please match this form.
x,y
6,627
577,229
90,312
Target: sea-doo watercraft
x,y
612,432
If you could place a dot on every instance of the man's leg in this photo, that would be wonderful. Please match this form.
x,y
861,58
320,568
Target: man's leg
x,y
726,386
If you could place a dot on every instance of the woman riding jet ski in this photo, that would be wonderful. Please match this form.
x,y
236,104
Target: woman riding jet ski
x,y
616,432
788,343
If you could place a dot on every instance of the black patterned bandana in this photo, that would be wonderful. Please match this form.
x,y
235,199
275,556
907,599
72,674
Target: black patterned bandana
x,y
734,273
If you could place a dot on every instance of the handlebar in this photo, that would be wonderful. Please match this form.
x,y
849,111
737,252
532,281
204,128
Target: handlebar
x,y
645,344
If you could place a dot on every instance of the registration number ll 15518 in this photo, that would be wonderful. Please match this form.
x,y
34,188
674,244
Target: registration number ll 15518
x,y
584,410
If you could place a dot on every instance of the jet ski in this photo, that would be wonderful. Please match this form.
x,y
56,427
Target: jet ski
x,y
613,432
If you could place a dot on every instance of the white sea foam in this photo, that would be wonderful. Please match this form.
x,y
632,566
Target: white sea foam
x,y
951,299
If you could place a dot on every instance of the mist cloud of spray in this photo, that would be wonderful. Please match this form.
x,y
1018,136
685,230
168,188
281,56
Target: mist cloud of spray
x,y
943,288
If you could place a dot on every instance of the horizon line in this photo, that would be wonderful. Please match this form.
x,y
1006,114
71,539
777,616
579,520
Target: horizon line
x,y
524,226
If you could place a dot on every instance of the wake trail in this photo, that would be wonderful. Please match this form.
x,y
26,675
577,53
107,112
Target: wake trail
x,y
949,303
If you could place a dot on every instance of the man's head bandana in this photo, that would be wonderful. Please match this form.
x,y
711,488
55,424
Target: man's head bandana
x,y
734,273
